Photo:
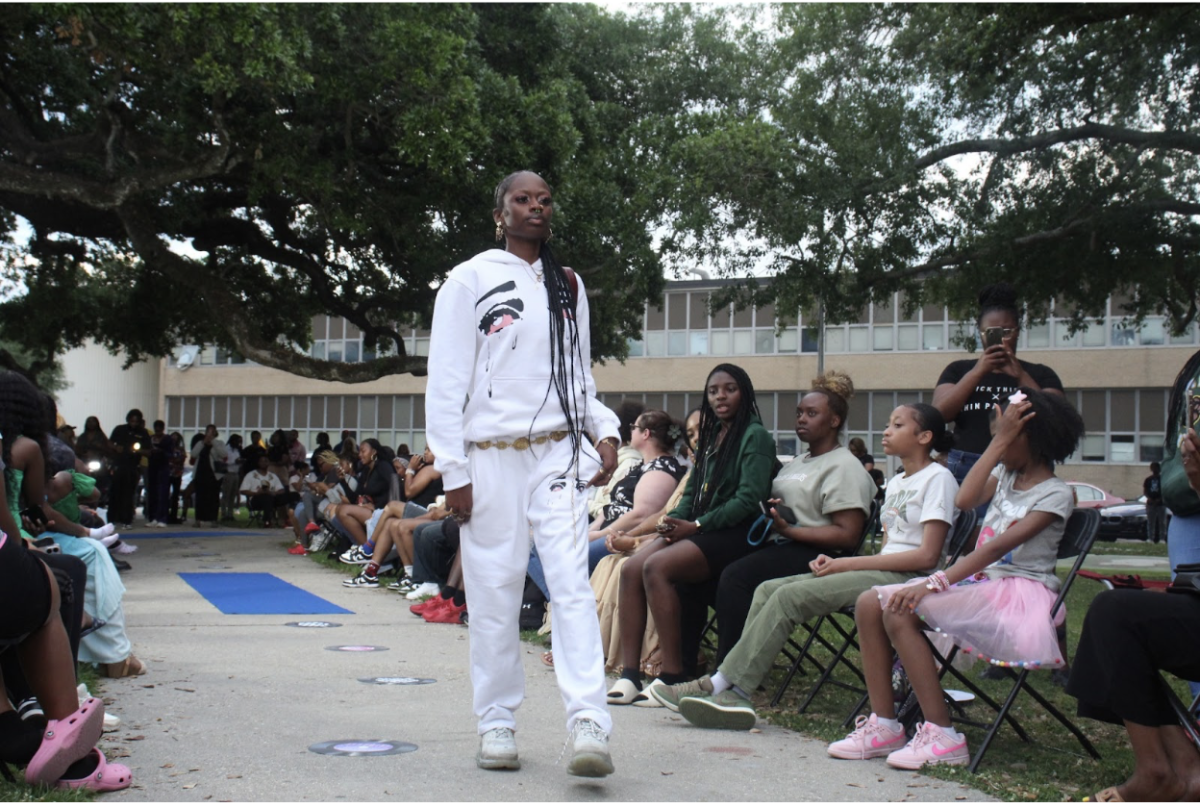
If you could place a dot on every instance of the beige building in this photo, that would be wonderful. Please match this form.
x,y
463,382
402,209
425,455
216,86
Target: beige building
x,y
1116,376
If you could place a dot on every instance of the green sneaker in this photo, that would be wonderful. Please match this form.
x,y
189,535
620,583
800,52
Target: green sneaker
x,y
726,710
669,695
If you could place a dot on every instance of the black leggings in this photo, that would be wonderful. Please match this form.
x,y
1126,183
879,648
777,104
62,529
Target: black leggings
x,y
1128,637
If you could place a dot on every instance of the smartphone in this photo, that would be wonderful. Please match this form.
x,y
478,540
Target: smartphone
x,y
992,336
35,515
785,513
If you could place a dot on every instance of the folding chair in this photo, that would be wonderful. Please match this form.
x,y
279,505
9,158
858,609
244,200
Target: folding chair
x,y
796,653
956,542
1077,540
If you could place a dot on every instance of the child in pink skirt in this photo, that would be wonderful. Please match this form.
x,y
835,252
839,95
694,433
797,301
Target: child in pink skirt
x,y
994,602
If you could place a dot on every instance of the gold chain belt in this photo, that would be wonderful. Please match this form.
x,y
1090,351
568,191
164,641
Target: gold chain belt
x,y
521,444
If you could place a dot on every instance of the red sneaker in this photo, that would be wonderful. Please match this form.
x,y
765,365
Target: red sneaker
x,y
312,527
449,613
297,549
434,602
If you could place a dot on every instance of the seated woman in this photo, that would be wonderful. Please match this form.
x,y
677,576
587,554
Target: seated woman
x,y
705,532
25,482
63,754
918,513
397,532
994,602
358,521
830,494
422,482
642,491
1153,633
264,491
606,578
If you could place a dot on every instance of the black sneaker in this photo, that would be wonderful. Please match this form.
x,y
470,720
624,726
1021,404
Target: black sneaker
x,y
363,581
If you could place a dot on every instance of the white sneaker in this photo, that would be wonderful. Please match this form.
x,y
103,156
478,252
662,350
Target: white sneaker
x,y
111,722
425,590
591,757
354,555
498,750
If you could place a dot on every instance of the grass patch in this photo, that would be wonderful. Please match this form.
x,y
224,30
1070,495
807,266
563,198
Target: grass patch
x,y
1131,548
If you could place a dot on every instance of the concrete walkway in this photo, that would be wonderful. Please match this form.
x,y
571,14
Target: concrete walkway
x,y
232,702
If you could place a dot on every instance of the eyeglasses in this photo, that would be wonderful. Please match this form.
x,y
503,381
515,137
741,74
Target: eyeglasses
x,y
1004,332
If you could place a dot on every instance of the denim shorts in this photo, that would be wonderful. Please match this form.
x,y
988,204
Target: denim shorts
x,y
960,463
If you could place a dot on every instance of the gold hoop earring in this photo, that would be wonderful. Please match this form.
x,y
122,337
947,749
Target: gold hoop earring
x,y
499,232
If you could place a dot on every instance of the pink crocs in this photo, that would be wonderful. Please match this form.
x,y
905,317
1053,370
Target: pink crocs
x,y
106,777
66,741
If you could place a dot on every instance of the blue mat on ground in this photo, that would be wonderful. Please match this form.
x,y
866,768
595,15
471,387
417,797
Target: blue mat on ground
x,y
257,593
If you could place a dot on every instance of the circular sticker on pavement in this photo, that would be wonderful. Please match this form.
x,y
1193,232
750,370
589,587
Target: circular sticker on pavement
x,y
396,680
360,748
313,624
358,648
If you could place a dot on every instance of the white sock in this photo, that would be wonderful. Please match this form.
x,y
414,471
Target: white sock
x,y
109,541
103,532
951,731
125,548
889,723
720,683
408,569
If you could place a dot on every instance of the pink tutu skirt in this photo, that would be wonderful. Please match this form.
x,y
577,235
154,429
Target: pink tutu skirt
x,y
1005,621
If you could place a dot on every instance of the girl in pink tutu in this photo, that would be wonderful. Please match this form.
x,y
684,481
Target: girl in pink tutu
x,y
994,602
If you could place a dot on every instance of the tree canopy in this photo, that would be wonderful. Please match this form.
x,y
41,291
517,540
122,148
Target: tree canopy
x,y
218,173
935,148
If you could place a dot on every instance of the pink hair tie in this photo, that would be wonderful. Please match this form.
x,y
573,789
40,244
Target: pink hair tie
x,y
1017,397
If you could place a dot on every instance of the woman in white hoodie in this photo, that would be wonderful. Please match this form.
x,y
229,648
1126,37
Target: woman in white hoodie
x,y
510,338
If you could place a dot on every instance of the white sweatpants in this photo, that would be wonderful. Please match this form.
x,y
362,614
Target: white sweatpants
x,y
514,491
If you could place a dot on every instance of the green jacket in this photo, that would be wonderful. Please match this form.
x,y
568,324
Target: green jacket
x,y
745,483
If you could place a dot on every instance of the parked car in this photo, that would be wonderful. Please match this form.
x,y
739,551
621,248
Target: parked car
x,y
1091,496
1124,521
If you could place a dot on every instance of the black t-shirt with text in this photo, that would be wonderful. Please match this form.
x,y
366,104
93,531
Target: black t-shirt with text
x,y
971,426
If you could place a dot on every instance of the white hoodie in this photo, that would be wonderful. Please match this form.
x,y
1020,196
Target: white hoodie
x,y
490,348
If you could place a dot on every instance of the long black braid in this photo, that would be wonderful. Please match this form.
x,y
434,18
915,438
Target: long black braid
x,y
21,414
710,463
566,350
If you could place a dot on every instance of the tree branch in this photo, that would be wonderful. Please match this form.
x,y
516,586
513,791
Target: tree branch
x,y
1182,141
213,295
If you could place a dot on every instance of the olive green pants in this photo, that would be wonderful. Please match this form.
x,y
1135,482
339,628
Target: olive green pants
x,y
784,603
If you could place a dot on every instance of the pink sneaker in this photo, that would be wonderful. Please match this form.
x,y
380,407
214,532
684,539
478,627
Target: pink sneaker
x,y
931,744
870,739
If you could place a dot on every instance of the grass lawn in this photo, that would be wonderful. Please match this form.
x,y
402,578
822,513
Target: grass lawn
x,y
1133,548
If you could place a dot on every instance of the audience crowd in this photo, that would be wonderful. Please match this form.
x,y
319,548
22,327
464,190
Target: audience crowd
x,y
701,518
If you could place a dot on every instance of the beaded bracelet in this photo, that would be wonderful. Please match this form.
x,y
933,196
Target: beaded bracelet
x,y
938,582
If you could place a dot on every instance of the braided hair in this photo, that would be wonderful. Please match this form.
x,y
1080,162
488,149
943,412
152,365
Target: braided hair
x,y
21,414
566,349
712,458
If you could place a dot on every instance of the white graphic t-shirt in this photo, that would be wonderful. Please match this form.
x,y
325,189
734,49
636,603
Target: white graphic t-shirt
x,y
910,501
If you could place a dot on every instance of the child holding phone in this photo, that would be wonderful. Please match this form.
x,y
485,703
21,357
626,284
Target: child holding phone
x,y
994,602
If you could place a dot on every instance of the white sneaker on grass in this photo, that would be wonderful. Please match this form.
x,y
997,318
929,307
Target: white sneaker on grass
x,y
498,750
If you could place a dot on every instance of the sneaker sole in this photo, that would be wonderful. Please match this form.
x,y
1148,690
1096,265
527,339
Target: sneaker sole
x,y
915,765
360,586
591,764
494,764
863,754
712,716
